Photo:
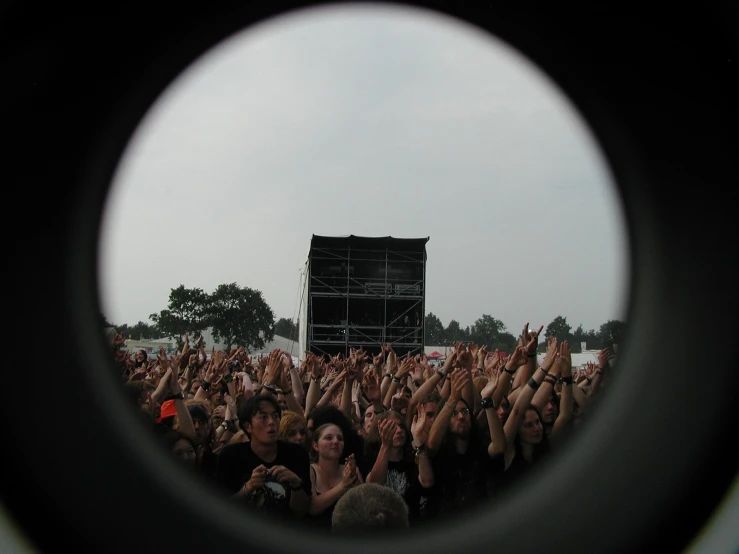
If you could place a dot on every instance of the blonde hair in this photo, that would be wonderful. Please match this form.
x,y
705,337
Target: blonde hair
x,y
287,420
238,437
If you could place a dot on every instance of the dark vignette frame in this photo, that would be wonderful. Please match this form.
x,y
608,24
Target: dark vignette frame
x,y
662,108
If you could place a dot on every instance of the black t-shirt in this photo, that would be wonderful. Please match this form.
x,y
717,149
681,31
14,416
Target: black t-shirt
x,y
461,479
402,477
236,462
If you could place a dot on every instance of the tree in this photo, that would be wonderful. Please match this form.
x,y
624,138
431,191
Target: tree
x,y
454,332
434,330
486,330
506,343
558,328
187,312
286,328
240,316
611,332
140,331
577,338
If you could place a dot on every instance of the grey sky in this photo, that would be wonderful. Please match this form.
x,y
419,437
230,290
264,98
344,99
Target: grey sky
x,y
371,122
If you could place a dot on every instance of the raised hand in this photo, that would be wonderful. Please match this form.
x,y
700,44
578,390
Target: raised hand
x,y
565,355
372,387
460,378
604,357
387,428
546,364
399,403
405,368
274,367
465,359
518,357
420,427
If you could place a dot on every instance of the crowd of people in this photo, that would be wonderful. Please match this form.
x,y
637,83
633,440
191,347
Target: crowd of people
x,y
368,440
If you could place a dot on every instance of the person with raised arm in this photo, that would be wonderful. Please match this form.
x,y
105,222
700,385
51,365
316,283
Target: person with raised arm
x,y
399,459
526,442
462,463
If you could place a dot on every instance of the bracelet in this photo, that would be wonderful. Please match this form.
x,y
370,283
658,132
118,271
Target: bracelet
x,y
315,379
442,373
551,380
395,379
509,371
533,384
387,375
270,388
487,403
205,385
566,380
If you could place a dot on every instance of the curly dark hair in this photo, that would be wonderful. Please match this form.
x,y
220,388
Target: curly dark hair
x,y
321,415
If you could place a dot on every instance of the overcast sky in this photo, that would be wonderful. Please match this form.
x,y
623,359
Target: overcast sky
x,y
368,121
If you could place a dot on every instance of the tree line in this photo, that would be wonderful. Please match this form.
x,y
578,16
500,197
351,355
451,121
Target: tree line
x,y
493,332
237,316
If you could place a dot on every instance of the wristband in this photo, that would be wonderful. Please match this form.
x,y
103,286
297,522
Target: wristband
x,y
566,380
205,385
509,371
487,403
387,375
396,380
315,379
533,384
551,380
270,388
442,373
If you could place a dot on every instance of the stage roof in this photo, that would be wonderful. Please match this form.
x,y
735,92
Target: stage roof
x,y
369,243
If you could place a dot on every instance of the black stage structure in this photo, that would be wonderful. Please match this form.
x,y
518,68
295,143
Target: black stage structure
x,y
364,291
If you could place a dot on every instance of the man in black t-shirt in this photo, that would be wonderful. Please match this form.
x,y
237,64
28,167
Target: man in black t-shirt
x,y
461,461
268,474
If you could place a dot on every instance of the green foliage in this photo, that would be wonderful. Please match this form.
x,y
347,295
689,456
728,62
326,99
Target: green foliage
x,y
611,332
286,328
435,334
240,316
139,331
486,330
454,332
558,328
187,312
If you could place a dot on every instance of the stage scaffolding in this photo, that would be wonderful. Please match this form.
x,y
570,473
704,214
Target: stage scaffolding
x,y
364,291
